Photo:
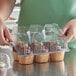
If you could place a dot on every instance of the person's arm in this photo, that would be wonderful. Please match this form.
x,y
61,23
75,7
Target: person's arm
x,y
6,7
5,37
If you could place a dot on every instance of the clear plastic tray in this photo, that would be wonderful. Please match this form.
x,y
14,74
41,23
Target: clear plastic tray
x,y
35,28
41,39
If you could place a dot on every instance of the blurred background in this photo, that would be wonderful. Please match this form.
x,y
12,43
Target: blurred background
x,y
15,13
12,21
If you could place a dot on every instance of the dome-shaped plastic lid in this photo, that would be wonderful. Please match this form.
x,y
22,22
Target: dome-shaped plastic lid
x,y
22,37
52,35
35,28
22,29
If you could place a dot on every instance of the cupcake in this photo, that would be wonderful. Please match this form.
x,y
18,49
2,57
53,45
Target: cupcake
x,y
25,55
59,56
42,58
57,53
26,59
42,53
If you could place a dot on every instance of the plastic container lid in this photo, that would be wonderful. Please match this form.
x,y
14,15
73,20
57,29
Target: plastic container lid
x,y
41,40
56,43
35,28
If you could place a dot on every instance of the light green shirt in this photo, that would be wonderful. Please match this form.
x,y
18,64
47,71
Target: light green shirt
x,y
47,11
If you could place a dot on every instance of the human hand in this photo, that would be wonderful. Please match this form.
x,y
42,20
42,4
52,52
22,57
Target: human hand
x,y
5,37
69,30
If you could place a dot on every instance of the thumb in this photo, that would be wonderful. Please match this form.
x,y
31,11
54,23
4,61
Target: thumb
x,y
65,29
2,38
70,35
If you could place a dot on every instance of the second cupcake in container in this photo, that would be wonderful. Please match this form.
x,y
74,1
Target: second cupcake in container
x,y
41,54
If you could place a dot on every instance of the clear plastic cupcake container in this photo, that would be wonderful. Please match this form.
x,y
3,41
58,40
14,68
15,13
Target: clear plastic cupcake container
x,y
55,42
57,45
22,52
40,43
37,46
